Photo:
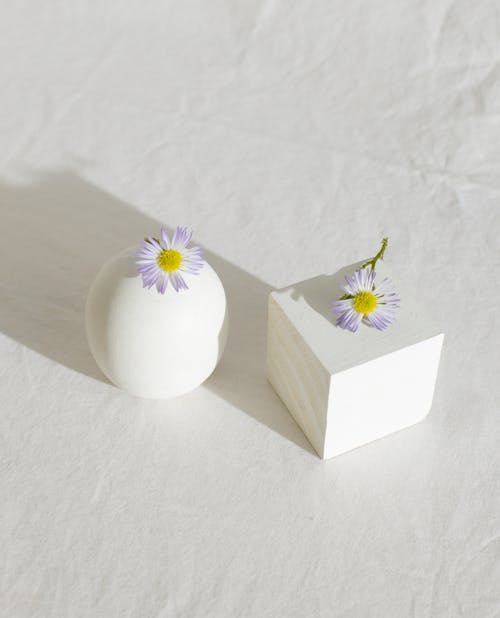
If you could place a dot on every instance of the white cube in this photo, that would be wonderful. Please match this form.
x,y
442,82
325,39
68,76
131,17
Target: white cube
x,y
346,389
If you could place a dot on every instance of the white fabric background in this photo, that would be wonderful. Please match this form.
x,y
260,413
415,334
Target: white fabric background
x,y
292,136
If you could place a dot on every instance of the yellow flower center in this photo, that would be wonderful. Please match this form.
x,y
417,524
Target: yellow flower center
x,y
169,260
364,302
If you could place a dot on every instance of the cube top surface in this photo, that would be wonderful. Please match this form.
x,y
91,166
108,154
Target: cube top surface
x,y
307,305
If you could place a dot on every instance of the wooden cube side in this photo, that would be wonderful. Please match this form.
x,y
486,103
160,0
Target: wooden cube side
x,y
297,376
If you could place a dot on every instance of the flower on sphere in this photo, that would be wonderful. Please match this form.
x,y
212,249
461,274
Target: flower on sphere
x,y
163,260
364,301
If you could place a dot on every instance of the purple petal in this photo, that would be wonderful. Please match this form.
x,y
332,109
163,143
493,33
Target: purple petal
x,y
181,238
164,237
178,282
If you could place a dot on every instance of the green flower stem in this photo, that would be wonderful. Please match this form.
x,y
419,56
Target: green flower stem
x,y
372,262
379,256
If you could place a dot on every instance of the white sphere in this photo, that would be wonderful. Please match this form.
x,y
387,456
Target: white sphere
x,y
150,344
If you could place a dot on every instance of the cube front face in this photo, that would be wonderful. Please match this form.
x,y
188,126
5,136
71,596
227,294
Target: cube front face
x,y
382,396
344,389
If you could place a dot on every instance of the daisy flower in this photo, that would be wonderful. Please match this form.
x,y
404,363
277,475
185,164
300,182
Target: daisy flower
x,y
365,301
163,260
